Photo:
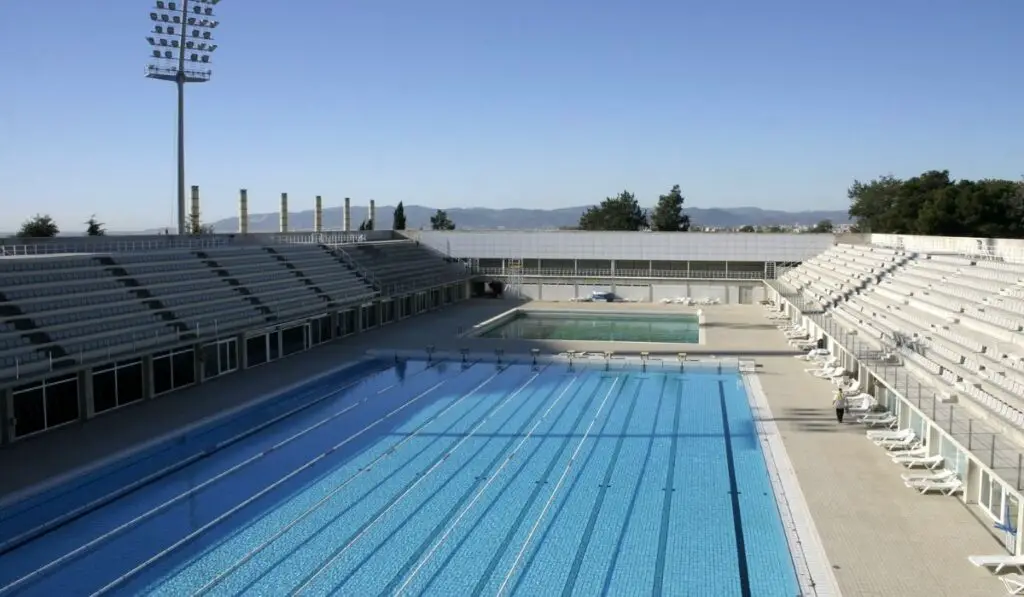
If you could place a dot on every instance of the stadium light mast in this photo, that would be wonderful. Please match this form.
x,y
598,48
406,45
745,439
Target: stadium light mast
x,y
182,44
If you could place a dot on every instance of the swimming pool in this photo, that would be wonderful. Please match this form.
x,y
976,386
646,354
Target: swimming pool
x,y
442,478
600,327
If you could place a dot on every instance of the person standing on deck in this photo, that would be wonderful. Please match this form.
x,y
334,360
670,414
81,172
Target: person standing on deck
x,y
839,402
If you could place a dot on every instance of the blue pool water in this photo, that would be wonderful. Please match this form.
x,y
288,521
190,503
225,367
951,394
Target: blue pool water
x,y
437,479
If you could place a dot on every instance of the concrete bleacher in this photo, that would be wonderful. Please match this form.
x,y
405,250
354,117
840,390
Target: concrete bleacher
x,y
405,264
958,321
59,310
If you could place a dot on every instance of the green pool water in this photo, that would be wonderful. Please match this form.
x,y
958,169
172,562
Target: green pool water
x,y
683,329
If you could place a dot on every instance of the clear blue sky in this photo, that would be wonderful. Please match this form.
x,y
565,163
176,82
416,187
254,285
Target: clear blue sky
x,y
529,104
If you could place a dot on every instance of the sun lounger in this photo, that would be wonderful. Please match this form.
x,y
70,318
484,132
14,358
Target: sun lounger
x,y
928,462
1013,583
887,434
887,420
895,445
999,563
813,355
947,487
939,475
826,372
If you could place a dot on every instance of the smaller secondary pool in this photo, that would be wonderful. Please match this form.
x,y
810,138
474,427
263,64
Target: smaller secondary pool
x,y
599,327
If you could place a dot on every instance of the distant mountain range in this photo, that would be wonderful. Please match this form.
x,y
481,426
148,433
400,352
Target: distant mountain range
x,y
477,218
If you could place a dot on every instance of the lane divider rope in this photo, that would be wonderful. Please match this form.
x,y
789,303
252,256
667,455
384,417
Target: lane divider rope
x,y
554,492
491,478
326,565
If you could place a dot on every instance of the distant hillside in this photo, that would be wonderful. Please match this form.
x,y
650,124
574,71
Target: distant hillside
x,y
523,219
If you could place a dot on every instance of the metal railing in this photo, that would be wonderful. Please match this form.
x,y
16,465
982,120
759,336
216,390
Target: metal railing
x,y
625,273
161,338
317,238
118,246
999,453
355,266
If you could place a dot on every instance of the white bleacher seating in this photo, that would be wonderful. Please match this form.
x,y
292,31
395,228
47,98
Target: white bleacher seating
x,y
966,317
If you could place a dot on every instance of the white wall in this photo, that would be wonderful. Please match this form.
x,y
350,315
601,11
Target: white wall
x,y
632,246
725,292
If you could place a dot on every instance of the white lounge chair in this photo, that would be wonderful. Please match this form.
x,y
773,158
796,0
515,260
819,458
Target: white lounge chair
x,y
850,387
1014,584
830,373
947,487
883,434
896,445
815,354
939,475
929,462
999,563
884,420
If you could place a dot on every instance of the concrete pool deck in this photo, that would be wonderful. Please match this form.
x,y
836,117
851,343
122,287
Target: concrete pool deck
x,y
881,538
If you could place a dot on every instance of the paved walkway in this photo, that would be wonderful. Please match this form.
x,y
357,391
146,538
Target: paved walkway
x,y
882,539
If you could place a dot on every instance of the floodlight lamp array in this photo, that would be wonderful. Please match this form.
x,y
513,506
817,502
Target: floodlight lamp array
x,y
182,34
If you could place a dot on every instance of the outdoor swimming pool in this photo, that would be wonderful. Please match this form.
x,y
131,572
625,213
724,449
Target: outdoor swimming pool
x,y
601,327
443,479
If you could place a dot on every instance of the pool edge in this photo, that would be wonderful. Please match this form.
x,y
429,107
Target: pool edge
x,y
84,470
813,570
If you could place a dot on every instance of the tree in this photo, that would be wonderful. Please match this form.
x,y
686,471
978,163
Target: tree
x,y
398,220
366,225
823,227
747,228
621,212
195,227
94,227
440,221
936,205
39,226
668,214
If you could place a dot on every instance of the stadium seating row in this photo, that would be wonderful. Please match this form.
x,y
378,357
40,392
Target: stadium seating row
x,y
957,321
59,310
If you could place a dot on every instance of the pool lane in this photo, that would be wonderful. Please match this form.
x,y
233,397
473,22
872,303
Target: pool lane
x,y
639,551
699,527
469,555
595,557
231,565
564,528
428,510
92,550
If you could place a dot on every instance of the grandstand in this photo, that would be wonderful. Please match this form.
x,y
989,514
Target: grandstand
x,y
936,327
930,327
89,326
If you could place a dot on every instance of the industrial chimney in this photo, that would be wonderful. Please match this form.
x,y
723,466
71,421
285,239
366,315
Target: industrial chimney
x,y
346,215
194,213
243,211
284,212
318,215
373,215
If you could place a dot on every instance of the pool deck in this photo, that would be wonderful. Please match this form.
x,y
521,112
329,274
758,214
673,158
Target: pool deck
x,y
881,539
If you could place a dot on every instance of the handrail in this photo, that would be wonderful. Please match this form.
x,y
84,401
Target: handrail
x,y
118,246
355,265
624,273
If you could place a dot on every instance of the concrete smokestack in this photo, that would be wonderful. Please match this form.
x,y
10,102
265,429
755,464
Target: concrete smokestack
x,y
346,215
373,215
243,211
318,215
193,216
284,212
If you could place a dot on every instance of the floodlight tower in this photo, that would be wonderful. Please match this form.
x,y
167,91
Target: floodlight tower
x,y
182,42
